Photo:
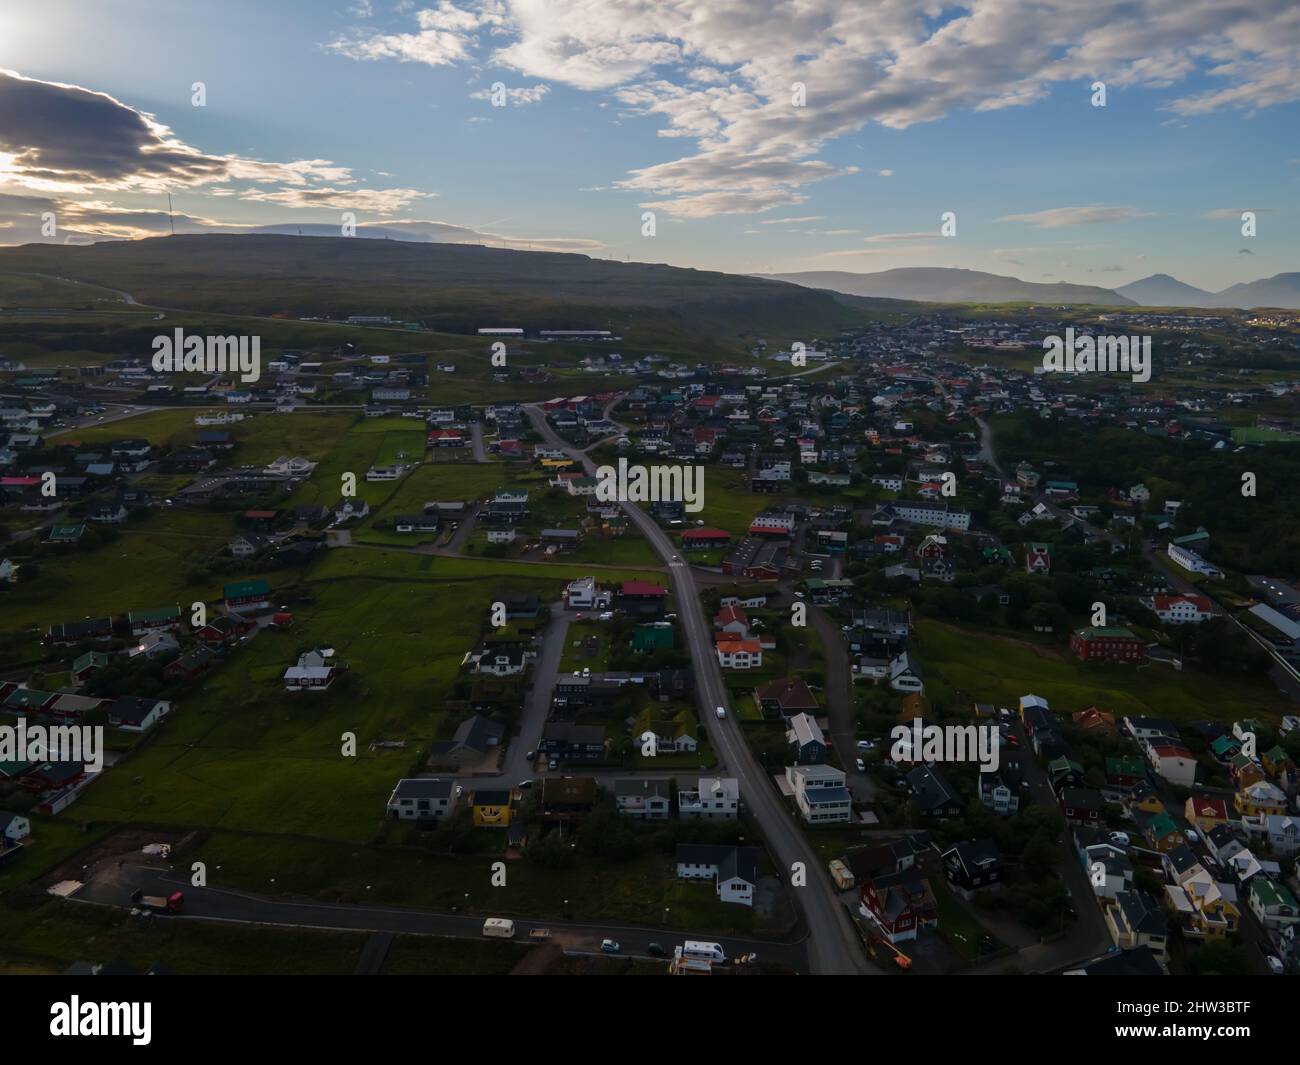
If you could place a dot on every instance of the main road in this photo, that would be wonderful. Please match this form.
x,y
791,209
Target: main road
x,y
834,946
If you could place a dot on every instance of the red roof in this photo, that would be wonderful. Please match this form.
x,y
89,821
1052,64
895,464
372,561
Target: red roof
x,y
260,513
1201,602
706,534
642,588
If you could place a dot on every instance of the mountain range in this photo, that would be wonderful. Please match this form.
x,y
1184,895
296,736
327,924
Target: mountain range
x,y
949,285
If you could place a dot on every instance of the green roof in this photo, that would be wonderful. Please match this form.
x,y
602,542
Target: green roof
x,y
1091,632
1127,766
91,658
1271,893
241,589
1161,825
28,698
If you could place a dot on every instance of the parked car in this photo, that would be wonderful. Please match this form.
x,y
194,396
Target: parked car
x,y
524,784
865,745
552,764
862,766
656,950
609,946
1192,836
1275,964
1120,839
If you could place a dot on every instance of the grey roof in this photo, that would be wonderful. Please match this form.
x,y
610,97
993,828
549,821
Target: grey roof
x,y
423,788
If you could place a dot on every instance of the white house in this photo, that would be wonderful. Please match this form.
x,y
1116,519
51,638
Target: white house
x,y
14,827
820,793
422,799
739,654
313,672
732,869
1180,609
713,798
646,800
1192,562
904,676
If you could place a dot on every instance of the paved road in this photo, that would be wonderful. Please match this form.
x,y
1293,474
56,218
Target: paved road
x,y
834,945
113,887
537,703
476,438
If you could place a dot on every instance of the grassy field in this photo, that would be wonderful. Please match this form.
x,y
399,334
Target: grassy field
x,y
407,565
990,668
58,933
645,890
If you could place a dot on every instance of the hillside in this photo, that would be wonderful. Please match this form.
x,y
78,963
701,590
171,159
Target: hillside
x,y
452,287
946,285
1161,290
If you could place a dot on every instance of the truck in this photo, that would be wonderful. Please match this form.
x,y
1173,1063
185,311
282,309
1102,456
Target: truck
x,y
702,951
499,928
158,903
841,874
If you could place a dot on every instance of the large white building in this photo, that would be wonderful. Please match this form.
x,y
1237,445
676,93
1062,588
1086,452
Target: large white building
x,y
712,799
820,793
1192,562
936,515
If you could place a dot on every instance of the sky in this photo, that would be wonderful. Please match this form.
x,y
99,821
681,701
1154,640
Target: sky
x,y
740,135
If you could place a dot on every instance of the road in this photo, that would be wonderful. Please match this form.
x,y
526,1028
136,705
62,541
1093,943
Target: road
x,y
517,766
834,946
113,887
476,438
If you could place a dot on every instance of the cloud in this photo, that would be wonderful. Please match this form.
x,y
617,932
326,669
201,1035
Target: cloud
x,y
1064,217
790,221
1233,213
887,238
64,140
884,173
720,73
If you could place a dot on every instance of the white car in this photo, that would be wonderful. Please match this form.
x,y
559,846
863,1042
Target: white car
x,y
722,712
1275,964
1120,839
862,766
607,615
865,745
1192,836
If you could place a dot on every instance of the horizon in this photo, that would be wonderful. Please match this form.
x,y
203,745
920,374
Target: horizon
x,y
826,139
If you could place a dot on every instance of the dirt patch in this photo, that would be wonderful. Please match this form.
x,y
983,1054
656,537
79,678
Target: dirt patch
x,y
122,848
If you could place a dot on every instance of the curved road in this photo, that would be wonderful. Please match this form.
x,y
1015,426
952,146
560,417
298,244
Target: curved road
x,y
834,946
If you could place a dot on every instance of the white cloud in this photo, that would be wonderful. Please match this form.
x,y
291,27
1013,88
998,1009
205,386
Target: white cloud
x,y
719,72
1063,217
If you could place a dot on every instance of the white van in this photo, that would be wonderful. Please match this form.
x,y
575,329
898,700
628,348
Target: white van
x,y
722,712
499,928
704,951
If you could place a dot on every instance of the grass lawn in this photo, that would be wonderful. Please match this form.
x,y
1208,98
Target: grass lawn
x,y
407,566
639,890
53,841
958,927
995,669
593,634
59,932
730,505
145,566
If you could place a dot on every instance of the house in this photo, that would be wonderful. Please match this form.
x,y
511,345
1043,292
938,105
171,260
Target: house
x,y
1180,609
1282,832
422,799
733,870
13,827
1038,558
900,904
583,594
134,714
1173,761
1203,907
1109,644
77,631
1000,790
736,653
567,798
314,671
703,539
247,597
499,659
905,675
350,508
1206,812
87,665
1125,772
932,794
820,793
805,736
652,636
1136,920
491,807
646,800
570,742
154,645
1269,901
713,799
786,696
191,664
1259,800
1082,806
973,866
672,735
474,739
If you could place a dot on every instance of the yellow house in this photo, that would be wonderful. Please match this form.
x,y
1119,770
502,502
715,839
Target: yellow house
x,y
1203,908
1259,799
1206,812
492,808
1146,800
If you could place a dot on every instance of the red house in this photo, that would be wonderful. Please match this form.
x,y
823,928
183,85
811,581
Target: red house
x,y
698,539
643,590
900,904
1111,644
